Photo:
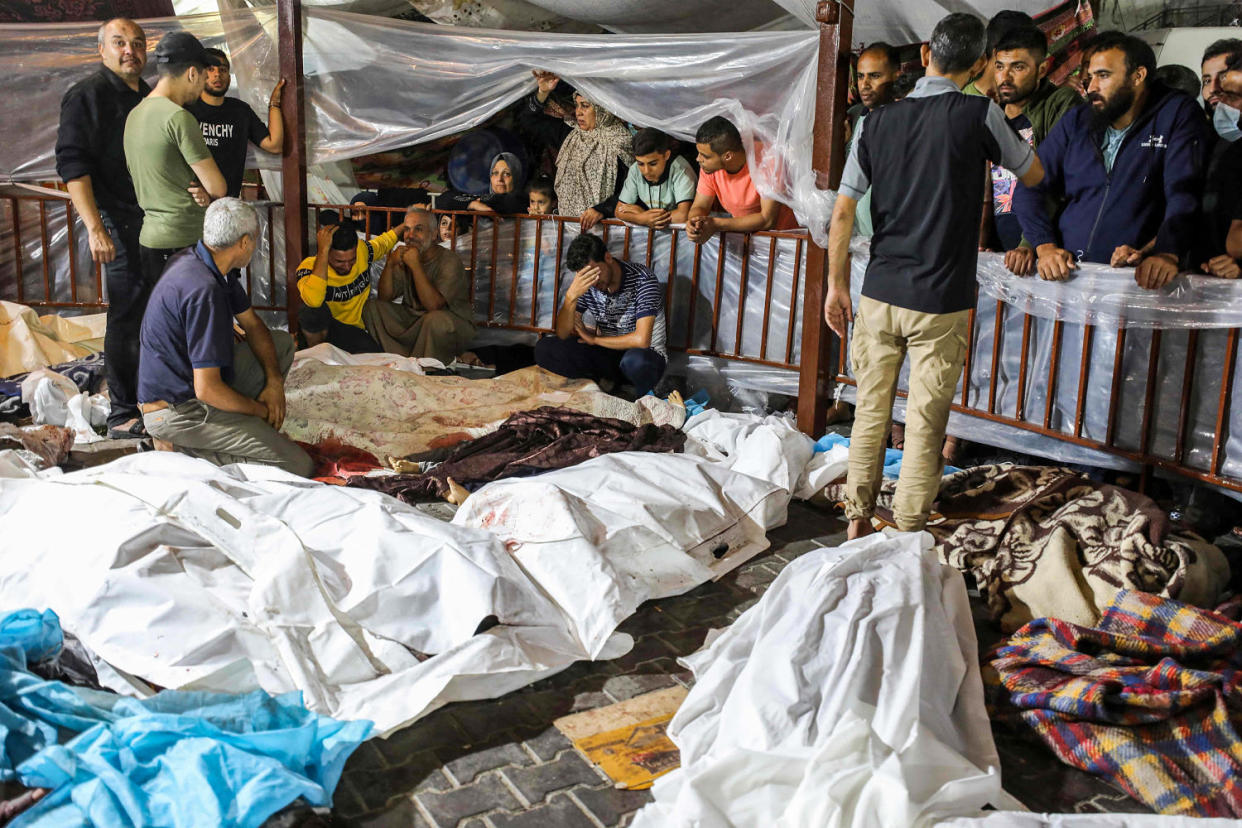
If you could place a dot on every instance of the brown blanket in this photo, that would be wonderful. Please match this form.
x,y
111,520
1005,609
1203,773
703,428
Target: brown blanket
x,y
527,443
1048,542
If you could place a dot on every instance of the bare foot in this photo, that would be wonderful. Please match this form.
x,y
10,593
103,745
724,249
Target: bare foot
x,y
470,358
859,528
953,450
897,436
457,494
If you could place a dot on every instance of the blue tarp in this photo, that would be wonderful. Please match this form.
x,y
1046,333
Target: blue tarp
x,y
178,758
892,457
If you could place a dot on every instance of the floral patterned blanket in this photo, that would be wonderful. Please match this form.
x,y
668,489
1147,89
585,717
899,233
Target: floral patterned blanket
x,y
1044,541
392,413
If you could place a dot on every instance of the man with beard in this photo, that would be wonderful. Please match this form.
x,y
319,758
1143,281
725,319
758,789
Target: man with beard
x,y
1033,105
421,306
1129,167
90,159
229,124
1000,25
1220,199
879,66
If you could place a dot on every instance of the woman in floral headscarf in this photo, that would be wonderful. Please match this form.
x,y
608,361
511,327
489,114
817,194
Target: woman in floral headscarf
x,y
594,154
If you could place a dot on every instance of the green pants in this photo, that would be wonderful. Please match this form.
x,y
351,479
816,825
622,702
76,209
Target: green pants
x,y
936,343
224,437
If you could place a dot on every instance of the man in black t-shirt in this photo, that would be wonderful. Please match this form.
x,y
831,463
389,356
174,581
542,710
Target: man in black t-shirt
x,y
229,124
920,283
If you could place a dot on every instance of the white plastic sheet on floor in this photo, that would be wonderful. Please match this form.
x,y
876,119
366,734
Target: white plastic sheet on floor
x,y
190,576
1011,819
849,695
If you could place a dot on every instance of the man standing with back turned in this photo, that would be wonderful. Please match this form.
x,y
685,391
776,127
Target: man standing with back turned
x,y
920,282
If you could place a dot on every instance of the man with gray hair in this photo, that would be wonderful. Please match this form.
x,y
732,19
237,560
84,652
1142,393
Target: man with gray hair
x,y
201,393
920,283
421,306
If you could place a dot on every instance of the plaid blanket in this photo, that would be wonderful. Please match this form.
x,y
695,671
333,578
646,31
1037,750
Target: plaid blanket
x,y
1151,699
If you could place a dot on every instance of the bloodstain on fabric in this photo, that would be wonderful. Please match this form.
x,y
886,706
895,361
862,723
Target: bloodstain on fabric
x,y
336,462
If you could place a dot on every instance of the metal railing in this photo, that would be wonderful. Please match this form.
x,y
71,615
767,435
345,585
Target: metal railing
x,y
488,233
707,294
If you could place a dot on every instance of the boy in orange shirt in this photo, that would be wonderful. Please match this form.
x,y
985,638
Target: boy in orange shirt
x,y
724,178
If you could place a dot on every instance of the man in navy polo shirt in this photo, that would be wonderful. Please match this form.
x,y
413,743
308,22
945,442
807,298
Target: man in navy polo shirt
x,y
199,392
920,282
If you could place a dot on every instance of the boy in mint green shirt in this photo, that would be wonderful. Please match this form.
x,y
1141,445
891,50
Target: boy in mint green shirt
x,y
660,187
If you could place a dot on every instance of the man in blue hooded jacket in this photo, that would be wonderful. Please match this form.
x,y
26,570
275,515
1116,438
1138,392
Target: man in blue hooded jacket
x,y
1128,166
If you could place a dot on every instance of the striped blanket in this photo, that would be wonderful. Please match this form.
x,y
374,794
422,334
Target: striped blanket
x,y
1151,699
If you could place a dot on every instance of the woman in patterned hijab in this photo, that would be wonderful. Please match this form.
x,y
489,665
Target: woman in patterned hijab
x,y
588,164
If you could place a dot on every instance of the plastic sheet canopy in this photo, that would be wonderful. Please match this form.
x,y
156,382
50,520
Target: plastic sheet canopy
x,y
377,84
899,22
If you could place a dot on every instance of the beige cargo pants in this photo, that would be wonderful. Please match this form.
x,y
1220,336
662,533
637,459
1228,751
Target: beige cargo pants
x,y
883,335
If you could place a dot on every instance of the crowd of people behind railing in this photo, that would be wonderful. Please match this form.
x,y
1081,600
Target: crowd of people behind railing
x,y
1133,178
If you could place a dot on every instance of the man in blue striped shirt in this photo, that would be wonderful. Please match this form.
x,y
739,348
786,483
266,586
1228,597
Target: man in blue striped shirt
x,y
611,324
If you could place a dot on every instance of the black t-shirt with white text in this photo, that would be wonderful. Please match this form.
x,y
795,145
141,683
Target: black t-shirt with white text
x,y
226,130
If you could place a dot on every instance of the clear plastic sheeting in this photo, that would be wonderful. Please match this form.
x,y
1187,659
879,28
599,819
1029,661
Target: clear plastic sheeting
x,y
1097,294
850,695
897,22
376,84
40,61
1052,391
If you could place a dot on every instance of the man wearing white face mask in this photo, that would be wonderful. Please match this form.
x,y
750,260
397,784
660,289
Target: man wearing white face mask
x,y
1224,172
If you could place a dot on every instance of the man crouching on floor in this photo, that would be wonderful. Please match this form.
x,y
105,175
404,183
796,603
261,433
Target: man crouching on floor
x,y
611,324
198,390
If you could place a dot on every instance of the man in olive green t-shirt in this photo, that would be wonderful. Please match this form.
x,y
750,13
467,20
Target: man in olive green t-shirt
x,y
166,155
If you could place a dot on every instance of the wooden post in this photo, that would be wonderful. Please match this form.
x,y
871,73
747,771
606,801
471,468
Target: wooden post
x,y
817,367
293,163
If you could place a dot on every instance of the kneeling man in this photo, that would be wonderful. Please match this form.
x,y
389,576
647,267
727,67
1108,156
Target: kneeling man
x,y
611,324
421,306
197,389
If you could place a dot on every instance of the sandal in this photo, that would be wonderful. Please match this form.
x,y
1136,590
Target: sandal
x,y
136,430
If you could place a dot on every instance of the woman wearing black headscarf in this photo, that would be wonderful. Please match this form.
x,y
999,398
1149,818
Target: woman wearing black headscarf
x,y
506,194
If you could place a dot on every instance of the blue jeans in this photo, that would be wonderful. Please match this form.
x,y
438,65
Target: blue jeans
x,y
573,358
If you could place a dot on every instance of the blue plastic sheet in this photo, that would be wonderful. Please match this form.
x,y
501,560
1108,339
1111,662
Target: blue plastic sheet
x,y
178,758
892,457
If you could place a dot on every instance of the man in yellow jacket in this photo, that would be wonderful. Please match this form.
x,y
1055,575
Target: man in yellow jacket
x,y
335,285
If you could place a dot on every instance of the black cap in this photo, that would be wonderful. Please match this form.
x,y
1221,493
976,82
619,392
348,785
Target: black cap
x,y
182,47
